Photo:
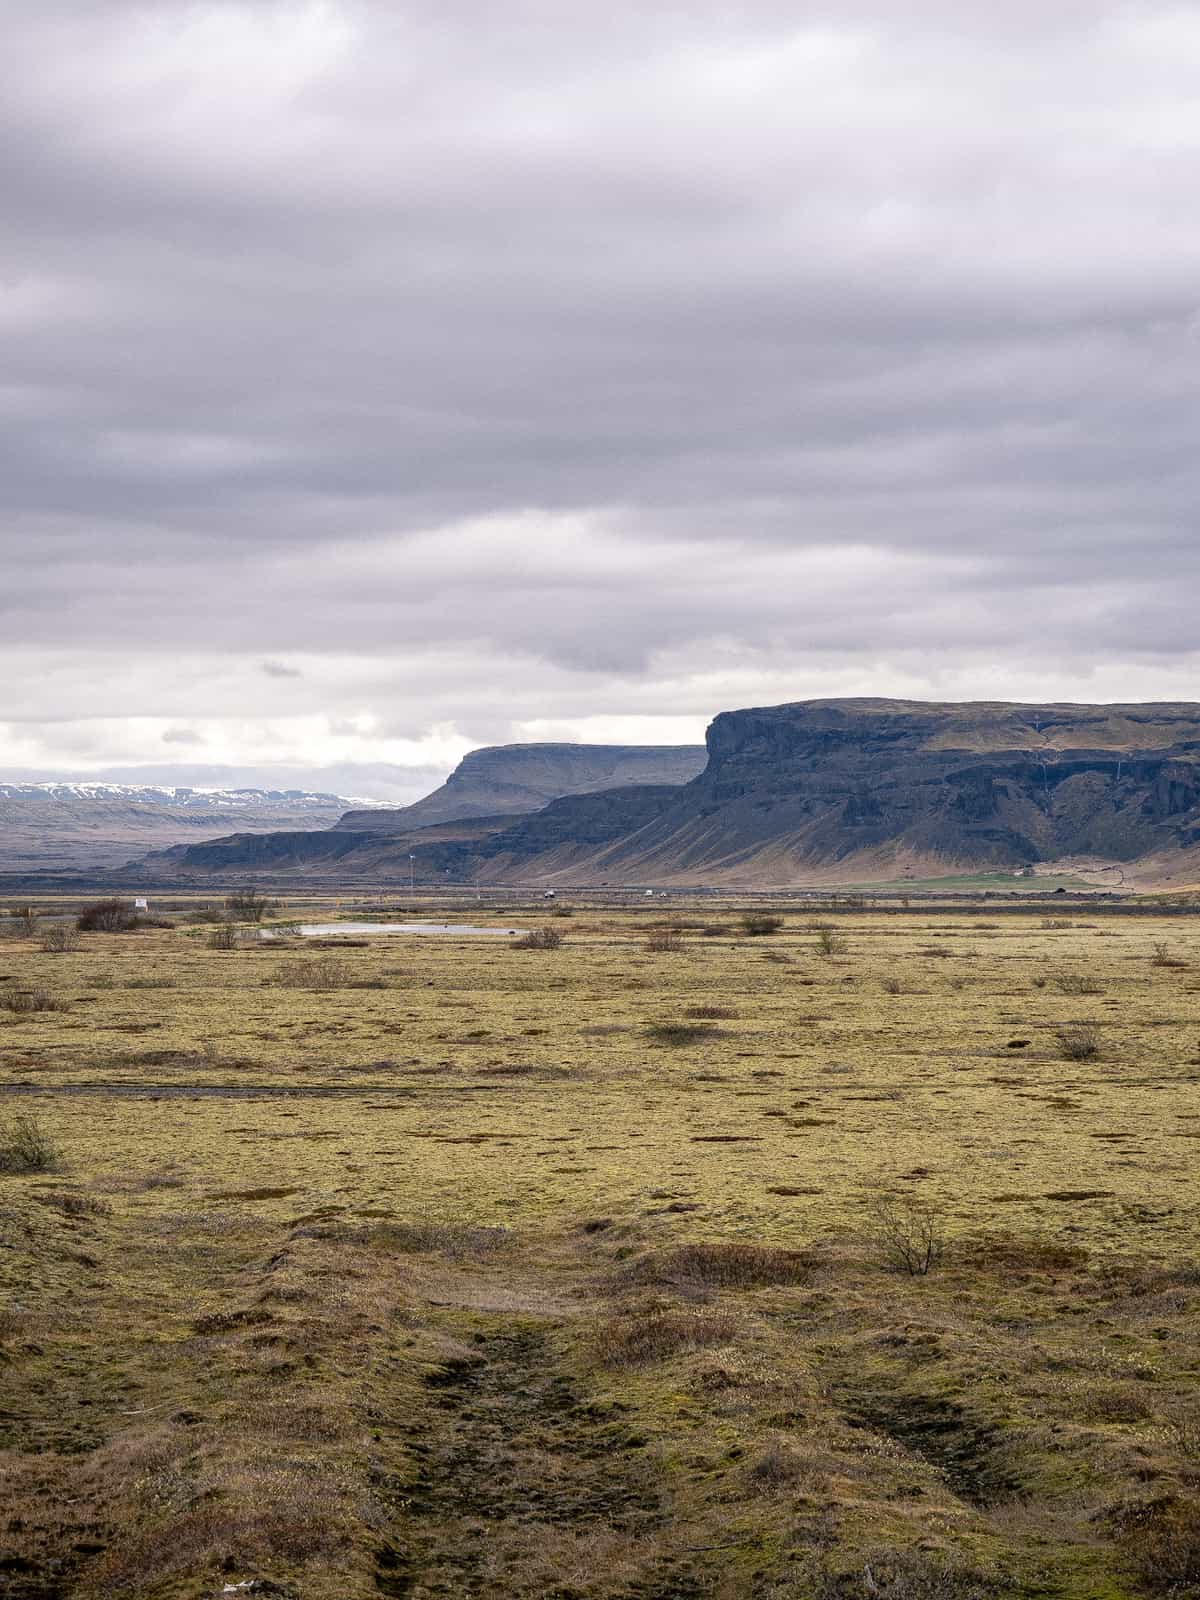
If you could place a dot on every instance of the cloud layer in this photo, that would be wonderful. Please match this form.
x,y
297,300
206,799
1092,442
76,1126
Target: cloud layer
x,y
381,380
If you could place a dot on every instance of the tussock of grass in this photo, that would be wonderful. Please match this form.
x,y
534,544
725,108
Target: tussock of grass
x,y
73,1204
679,1033
726,1264
1161,1538
459,1241
658,1335
1008,1252
539,939
320,973
28,1002
1075,983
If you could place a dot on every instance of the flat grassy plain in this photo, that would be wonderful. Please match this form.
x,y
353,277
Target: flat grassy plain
x,y
441,1267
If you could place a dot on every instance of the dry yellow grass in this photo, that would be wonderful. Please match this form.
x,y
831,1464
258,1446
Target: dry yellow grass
x,y
293,1324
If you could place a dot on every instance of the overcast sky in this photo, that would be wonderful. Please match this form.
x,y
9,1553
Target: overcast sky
x,y
382,379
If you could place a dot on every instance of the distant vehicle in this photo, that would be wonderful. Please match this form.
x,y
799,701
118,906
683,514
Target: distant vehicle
x,y
649,894
549,895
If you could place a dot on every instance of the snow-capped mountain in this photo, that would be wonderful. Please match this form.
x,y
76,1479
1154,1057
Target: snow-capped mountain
x,y
161,795
72,824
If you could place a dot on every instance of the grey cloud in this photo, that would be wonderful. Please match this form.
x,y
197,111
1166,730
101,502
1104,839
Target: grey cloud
x,y
525,360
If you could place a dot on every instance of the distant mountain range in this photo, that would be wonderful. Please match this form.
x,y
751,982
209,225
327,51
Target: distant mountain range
x,y
822,791
63,826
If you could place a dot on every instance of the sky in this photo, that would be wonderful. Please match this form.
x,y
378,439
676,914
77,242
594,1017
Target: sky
x,y
379,380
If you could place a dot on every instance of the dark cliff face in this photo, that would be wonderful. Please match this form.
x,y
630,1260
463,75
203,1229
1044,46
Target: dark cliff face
x,y
793,789
981,784
861,788
515,778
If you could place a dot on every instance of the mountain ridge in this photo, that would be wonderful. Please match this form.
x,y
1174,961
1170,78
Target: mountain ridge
x,y
827,791
514,778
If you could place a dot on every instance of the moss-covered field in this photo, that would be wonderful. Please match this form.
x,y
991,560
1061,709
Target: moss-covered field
x,y
438,1266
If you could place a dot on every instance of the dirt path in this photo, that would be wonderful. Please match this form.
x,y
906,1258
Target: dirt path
x,y
519,1476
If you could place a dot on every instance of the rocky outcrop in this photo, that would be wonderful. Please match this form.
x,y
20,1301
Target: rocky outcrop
x,y
511,779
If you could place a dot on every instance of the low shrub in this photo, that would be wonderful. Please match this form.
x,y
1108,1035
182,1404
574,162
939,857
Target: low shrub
x,y
664,941
107,916
1079,1043
905,1234
27,1146
711,1013
892,986
247,905
757,924
539,939
60,938
22,922
223,937
829,941
1162,956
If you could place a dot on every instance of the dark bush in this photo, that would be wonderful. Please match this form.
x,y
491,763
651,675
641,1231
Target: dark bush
x,y
756,924
905,1234
539,939
247,905
107,916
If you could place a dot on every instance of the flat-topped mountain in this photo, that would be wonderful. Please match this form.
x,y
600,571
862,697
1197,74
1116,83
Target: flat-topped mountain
x,y
827,791
508,779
